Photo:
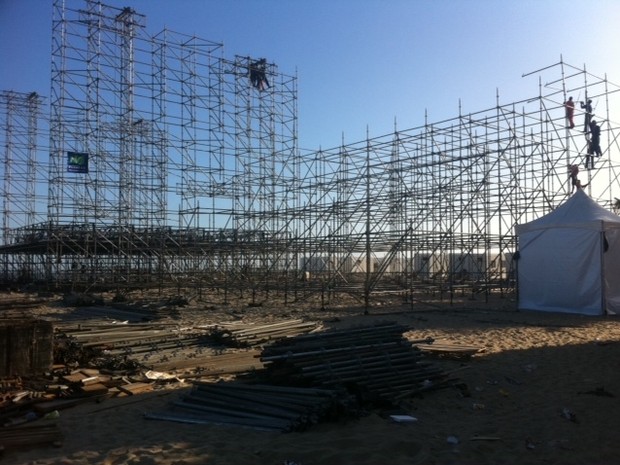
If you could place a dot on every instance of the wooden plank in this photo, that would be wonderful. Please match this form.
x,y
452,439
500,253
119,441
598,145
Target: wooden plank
x,y
94,389
89,372
135,388
73,378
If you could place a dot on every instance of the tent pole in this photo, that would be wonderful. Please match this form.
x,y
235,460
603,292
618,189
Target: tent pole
x,y
603,287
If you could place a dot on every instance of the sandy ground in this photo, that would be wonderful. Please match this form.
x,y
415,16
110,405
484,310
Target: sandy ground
x,y
545,390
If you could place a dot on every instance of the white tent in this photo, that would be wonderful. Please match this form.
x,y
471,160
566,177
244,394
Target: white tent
x,y
569,259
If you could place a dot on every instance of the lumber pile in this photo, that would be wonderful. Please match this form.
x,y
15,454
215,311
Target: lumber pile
x,y
28,399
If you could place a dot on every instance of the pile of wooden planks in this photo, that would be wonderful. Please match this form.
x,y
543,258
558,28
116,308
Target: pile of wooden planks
x,y
36,397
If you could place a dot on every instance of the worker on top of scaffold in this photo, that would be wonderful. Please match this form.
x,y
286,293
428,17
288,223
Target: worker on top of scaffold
x,y
258,74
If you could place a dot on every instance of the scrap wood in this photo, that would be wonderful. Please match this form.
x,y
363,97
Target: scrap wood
x,y
135,388
10,383
76,377
94,389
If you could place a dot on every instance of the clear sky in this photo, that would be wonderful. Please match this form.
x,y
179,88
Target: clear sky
x,y
362,63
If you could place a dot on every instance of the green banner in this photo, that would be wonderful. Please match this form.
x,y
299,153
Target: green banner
x,y
77,162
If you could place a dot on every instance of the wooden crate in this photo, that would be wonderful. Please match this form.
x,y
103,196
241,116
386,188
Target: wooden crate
x,y
26,347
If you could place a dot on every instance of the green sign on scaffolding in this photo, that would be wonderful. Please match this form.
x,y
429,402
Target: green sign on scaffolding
x,y
77,162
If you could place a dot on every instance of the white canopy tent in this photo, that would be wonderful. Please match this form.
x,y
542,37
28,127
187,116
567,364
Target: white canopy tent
x,y
569,259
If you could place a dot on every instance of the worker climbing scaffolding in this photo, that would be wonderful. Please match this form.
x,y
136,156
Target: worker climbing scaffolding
x,y
587,114
573,171
569,107
258,74
594,143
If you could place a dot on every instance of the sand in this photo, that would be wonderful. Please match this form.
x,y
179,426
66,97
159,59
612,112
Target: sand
x,y
545,390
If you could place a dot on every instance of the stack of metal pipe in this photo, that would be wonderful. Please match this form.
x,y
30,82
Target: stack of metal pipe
x,y
159,347
246,334
375,362
256,406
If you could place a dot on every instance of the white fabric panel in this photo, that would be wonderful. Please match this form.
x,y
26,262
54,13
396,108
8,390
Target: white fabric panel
x,y
611,271
560,270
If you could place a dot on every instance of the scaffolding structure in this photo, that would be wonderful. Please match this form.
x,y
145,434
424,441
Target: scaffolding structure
x,y
155,145
20,117
172,167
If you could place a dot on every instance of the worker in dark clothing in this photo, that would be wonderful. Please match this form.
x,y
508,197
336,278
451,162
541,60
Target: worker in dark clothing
x,y
589,157
569,106
594,144
588,114
595,139
258,74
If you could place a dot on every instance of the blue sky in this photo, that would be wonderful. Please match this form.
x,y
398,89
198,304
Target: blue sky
x,y
362,63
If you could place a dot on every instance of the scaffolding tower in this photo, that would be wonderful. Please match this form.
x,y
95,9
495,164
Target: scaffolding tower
x,y
172,167
20,119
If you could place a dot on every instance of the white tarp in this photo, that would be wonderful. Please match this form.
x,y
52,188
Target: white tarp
x,y
569,259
